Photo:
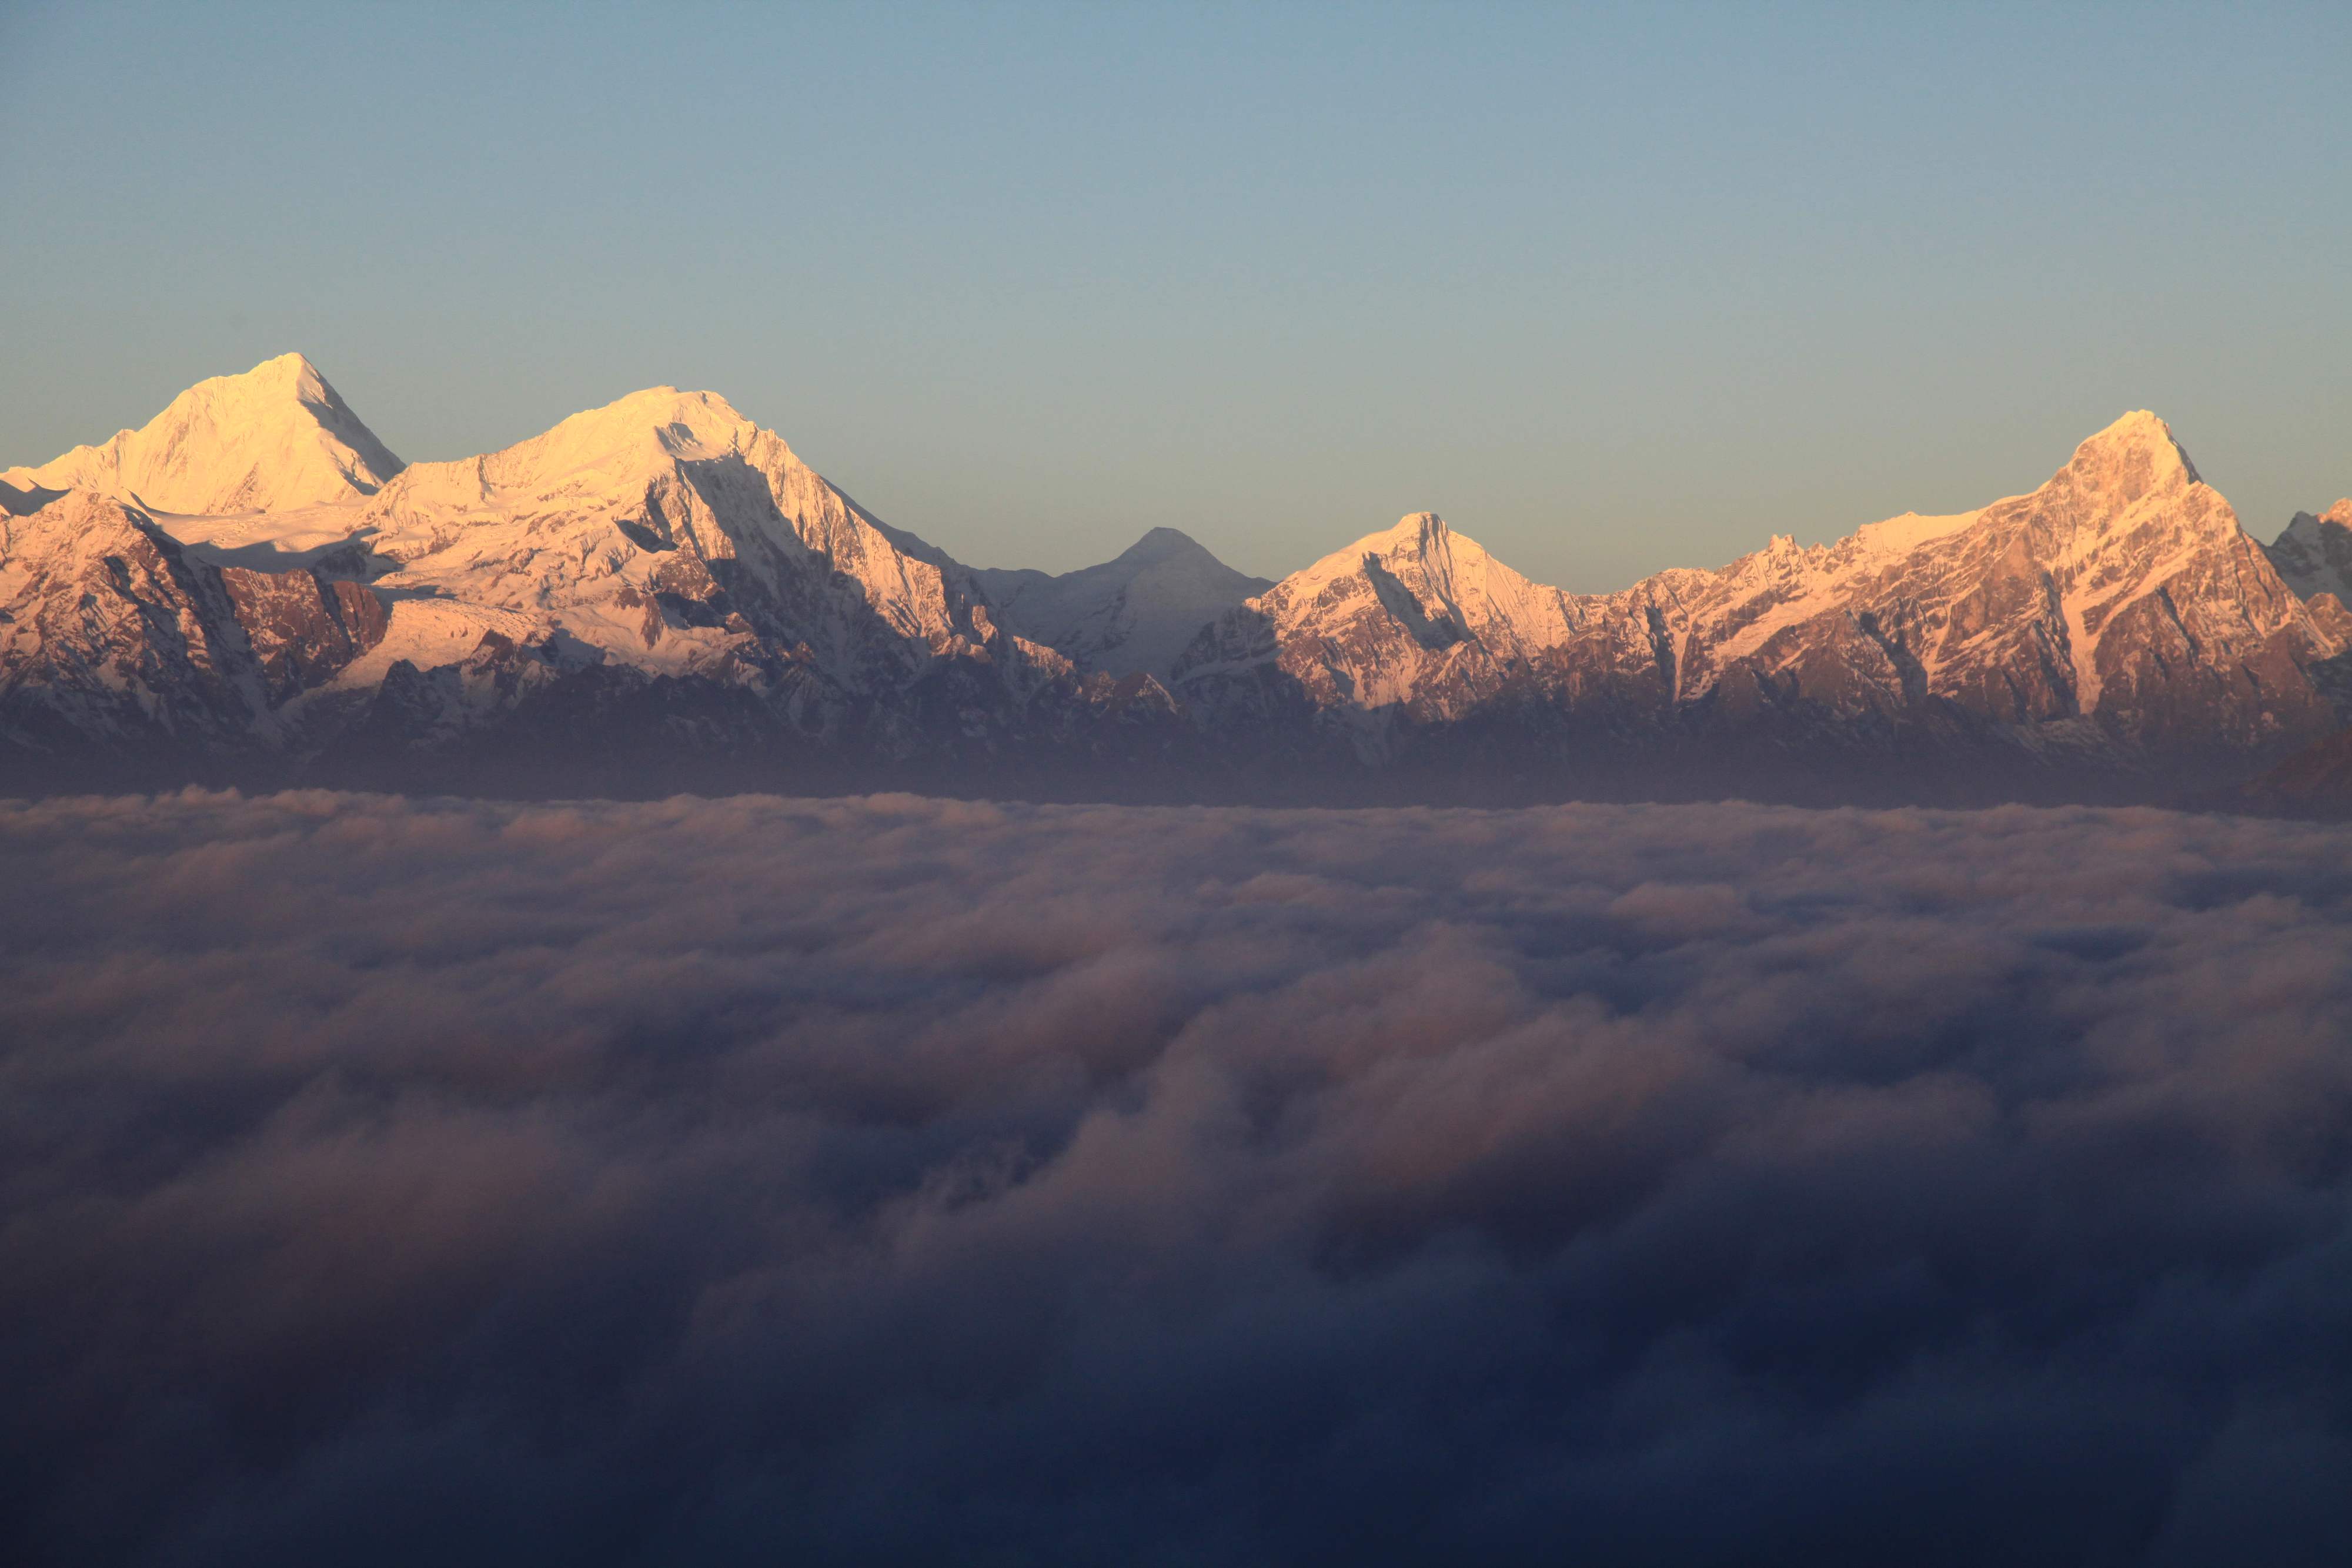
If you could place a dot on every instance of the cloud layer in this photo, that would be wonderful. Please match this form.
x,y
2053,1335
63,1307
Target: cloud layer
x,y
879,1180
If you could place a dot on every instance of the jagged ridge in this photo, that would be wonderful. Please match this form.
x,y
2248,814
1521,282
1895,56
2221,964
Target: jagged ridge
x,y
661,572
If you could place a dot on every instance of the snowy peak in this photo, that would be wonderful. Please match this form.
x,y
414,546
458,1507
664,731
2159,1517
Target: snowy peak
x,y
1421,531
1132,614
619,445
1161,545
666,528
2314,552
1421,537
2122,588
276,438
1429,577
1415,618
2133,458
687,425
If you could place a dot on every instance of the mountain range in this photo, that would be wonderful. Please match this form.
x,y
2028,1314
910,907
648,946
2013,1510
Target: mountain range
x,y
659,594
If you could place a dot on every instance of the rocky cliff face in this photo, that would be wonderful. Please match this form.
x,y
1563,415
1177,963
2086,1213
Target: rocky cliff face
x,y
112,633
662,579
2314,556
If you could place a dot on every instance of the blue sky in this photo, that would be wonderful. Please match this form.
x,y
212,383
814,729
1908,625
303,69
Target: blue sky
x,y
1613,289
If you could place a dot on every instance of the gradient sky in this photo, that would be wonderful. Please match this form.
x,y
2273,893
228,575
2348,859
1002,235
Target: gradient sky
x,y
1611,288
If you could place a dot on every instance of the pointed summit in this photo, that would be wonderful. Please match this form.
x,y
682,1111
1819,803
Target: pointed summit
x,y
273,439
1161,545
2134,456
1132,614
1421,531
1415,610
1451,576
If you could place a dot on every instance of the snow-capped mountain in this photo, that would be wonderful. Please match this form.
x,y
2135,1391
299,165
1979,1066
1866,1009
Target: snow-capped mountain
x,y
2313,555
1416,623
1132,614
657,567
275,437
2118,609
252,584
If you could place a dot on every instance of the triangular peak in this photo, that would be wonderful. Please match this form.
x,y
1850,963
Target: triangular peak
x,y
268,392
2134,456
273,438
293,372
1414,533
1424,536
1414,529
1161,544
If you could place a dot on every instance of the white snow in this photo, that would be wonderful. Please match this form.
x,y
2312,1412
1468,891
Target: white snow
x,y
1900,536
1132,614
267,541
275,437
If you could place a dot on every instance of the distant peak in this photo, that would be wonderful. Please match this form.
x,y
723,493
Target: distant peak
x,y
2138,447
1414,530
287,367
1421,536
289,375
674,418
1161,544
653,425
275,437
668,404
2307,525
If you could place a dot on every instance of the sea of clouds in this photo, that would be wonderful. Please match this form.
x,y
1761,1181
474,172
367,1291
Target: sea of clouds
x,y
902,1181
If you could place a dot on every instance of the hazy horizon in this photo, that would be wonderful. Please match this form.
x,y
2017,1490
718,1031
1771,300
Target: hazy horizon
x,y
1610,291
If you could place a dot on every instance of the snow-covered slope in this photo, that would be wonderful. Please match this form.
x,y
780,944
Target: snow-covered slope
x,y
661,554
275,437
2122,589
1416,619
251,574
671,533
2313,555
1134,613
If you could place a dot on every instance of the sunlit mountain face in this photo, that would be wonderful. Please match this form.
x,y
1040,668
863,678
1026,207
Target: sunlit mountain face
x,y
660,593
